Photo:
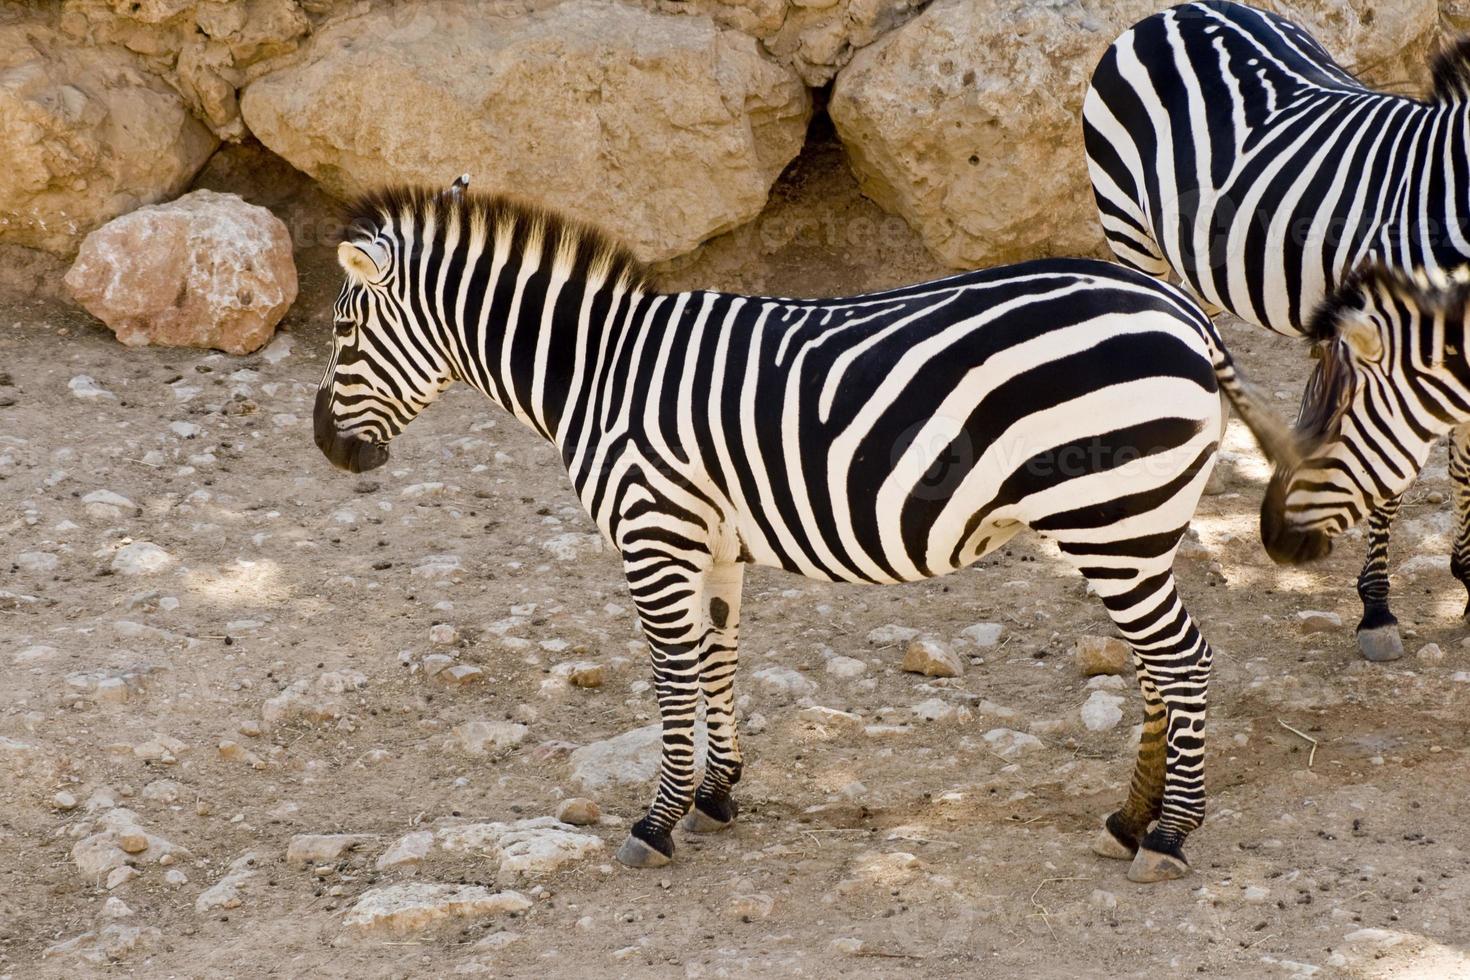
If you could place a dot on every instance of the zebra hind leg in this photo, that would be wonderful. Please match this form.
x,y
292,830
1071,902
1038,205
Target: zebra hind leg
x,y
1166,800
1378,631
1460,478
667,590
1124,828
714,809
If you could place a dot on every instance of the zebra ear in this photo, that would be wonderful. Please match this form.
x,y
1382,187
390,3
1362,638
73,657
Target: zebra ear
x,y
364,262
1361,335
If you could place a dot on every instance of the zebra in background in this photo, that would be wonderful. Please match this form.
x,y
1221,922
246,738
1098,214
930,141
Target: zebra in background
x,y
1227,147
1394,379
881,438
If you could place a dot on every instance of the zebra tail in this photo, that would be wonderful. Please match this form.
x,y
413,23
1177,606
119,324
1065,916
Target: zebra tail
x,y
1275,437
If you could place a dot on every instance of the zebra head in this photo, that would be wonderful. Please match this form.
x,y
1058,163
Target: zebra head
x,y
1392,377
386,365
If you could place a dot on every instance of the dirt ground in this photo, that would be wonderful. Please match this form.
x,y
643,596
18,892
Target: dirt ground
x,y
918,850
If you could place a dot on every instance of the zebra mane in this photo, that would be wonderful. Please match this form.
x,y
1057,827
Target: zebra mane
x,y
590,251
1450,69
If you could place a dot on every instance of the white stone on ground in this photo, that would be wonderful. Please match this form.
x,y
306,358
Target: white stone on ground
x,y
481,737
1316,621
141,558
228,892
415,908
846,668
984,635
307,849
630,759
1102,711
410,849
1008,743
890,634
784,682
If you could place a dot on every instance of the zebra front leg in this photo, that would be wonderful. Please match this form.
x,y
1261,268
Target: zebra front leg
x,y
714,809
1378,631
1460,478
668,591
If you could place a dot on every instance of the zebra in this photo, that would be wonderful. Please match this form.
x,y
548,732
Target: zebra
x,y
882,438
1227,147
1394,379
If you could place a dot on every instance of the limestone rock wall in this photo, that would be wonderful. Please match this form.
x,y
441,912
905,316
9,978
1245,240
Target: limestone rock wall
x,y
665,120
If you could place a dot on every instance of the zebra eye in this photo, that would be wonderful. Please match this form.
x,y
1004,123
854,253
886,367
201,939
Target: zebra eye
x,y
344,328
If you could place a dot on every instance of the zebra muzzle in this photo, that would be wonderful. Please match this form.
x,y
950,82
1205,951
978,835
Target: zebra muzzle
x,y
1288,545
347,452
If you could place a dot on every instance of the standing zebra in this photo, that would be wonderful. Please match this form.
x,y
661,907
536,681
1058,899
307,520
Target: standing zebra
x,y
882,438
1395,378
1226,146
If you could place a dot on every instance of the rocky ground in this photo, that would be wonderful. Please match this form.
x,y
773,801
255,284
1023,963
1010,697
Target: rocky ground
x,y
263,718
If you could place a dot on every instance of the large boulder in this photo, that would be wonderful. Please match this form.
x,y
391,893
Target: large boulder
x,y
665,130
203,48
86,134
1385,44
206,270
815,37
966,120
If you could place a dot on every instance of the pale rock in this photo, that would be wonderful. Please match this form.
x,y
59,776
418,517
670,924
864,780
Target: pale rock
x,y
410,849
578,811
690,126
64,801
459,675
888,635
296,704
832,719
1417,567
1102,711
572,546
630,759
528,848
936,709
115,908
227,893
164,791
443,635
482,737
97,855
87,133
110,944
37,562
965,122
307,849
984,635
932,659
141,558
1009,743
160,748
1255,894
340,682
1431,654
104,505
207,270
750,907
1102,655
85,387
397,911
118,877
1314,621
784,682
846,668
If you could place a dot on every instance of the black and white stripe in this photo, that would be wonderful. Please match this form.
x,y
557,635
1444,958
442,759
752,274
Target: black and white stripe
x,y
1228,148
880,438
1394,380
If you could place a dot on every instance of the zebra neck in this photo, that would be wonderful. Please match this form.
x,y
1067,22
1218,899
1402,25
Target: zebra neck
x,y
536,342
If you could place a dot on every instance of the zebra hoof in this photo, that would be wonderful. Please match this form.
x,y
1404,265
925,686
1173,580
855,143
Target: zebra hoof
x,y
1381,644
639,854
696,821
1108,846
1151,866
